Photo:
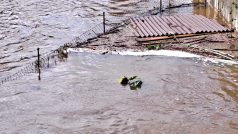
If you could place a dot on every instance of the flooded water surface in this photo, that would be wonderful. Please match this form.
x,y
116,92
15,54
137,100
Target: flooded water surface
x,y
26,25
179,95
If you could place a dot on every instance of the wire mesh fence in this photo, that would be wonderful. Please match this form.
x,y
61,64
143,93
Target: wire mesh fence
x,y
111,23
46,61
176,3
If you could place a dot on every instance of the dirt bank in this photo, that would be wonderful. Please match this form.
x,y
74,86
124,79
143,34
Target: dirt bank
x,y
224,46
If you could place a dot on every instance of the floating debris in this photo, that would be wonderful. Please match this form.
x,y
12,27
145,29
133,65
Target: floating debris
x,y
134,82
124,81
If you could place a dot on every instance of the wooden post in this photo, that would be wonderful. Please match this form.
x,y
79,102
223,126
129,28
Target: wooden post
x,y
38,63
205,3
169,4
48,64
104,23
161,6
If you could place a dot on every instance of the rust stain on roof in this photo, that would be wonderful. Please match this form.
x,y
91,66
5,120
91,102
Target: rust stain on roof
x,y
153,26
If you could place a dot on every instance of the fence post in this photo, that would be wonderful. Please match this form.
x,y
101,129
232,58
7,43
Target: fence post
x,y
169,4
38,63
104,23
161,6
48,62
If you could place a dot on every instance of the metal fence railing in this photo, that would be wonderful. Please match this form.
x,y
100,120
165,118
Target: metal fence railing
x,y
111,23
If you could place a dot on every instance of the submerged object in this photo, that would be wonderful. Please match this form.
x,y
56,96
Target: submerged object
x,y
134,82
124,81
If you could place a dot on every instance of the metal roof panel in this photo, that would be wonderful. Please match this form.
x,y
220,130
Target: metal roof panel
x,y
151,26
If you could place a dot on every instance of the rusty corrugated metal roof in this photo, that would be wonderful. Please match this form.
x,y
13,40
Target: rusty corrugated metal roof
x,y
152,26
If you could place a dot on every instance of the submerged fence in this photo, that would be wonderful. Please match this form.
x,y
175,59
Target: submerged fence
x,y
109,24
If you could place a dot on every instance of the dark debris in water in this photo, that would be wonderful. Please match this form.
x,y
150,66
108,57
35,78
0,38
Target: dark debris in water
x,y
134,82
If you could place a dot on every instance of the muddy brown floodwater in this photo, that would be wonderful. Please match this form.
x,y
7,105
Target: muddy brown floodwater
x,y
28,24
82,95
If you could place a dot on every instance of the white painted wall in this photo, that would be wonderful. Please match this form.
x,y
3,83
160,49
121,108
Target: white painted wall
x,y
228,8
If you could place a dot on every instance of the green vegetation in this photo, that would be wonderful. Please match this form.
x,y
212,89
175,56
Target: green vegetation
x,y
153,47
134,82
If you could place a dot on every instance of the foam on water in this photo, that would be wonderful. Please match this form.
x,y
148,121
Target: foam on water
x,y
217,61
160,53
170,53
142,53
